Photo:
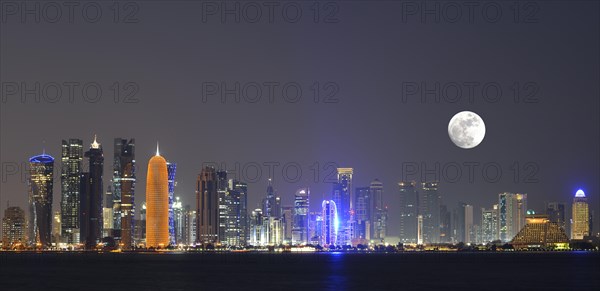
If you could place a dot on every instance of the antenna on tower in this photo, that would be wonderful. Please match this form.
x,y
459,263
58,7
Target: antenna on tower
x,y
157,152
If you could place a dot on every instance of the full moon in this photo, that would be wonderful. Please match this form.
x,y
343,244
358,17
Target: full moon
x,y
466,129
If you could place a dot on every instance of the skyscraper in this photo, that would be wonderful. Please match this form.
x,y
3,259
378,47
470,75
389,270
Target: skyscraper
x,y
463,223
207,205
580,225
330,223
91,198
362,213
171,169
343,197
408,212
378,212
41,183
70,178
287,217
236,226
489,224
223,206
429,208
157,203
512,211
107,213
256,227
179,219
13,227
124,191
301,208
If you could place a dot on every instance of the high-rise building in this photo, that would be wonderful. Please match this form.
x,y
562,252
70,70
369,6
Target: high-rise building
x,y
463,224
343,197
429,208
40,185
70,178
330,223
13,227
408,212
157,203
139,230
232,211
91,198
207,205
512,209
222,205
107,213
378,212
300,230
124,191
362,213
171,169
287,217
580,225
256,223
179,219
445,224
489,224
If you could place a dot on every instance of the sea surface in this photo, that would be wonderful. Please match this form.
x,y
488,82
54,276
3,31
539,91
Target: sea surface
x,y
313,271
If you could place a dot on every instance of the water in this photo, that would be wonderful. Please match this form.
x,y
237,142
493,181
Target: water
x,y
318,271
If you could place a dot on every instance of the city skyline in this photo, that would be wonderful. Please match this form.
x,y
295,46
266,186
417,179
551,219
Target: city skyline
x,y
426,224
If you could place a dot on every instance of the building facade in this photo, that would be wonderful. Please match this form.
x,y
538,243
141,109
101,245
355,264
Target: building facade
x,y
157,203
70,178
124,178
40,190
580,226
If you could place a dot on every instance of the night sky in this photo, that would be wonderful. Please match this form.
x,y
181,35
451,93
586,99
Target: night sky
x,y
367,55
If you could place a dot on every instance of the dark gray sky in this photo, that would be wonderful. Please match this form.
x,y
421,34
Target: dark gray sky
x,y
369,54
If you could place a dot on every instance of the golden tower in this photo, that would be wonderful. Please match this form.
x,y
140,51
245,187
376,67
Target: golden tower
x,y
157,203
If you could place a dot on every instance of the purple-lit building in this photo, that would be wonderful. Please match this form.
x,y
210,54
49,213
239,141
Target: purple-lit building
x,y
330,223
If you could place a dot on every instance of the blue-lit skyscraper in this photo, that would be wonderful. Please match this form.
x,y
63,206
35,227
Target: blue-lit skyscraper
x,y
41,183
330,223
171,169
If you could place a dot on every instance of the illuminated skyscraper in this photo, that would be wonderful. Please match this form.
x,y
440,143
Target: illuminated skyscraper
x,y
207,205
580,225
362,213
179,218
124,191
256,222
91,198
107,213
429,208
157,203
236,223
343,197
70,178
511,215
330,223
300,226
13,227
171,169
40,185
489,224
408,212
378,212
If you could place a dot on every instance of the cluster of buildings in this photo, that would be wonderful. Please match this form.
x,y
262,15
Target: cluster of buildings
x,y
424,220
91,217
